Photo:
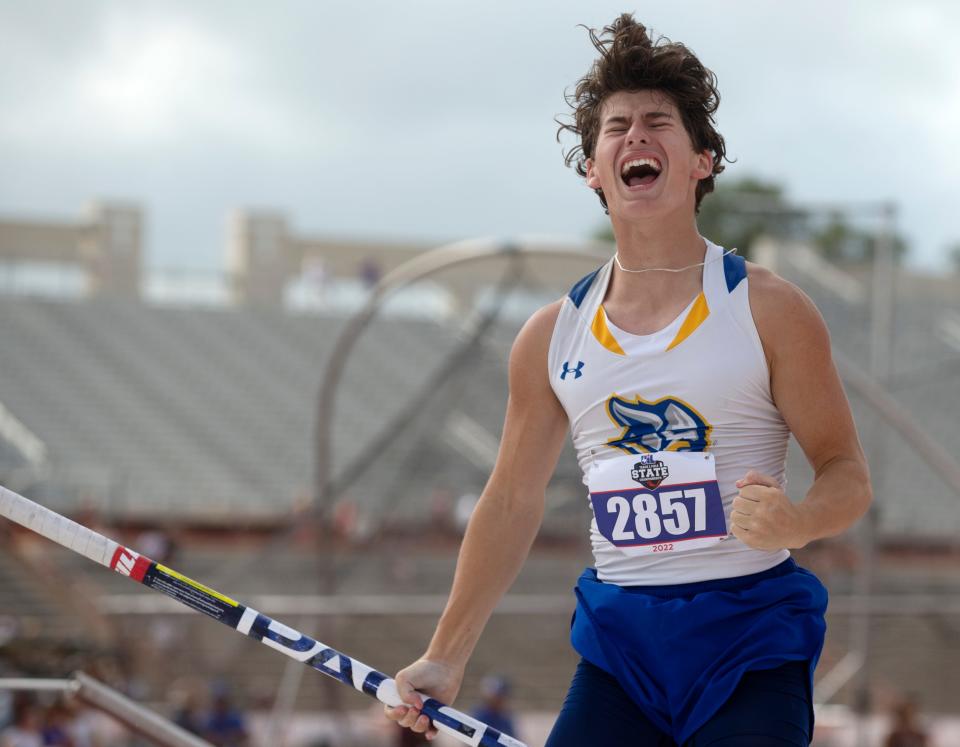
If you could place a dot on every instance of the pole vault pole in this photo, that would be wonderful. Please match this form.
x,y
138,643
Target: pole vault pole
x,y
247,620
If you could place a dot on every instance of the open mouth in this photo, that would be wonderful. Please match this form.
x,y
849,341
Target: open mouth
x,y
640,172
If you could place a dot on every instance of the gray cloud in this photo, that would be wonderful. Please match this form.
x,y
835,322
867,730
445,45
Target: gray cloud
x,y
434,119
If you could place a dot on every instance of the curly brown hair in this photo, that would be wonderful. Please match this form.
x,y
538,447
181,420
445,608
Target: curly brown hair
x,y
631,61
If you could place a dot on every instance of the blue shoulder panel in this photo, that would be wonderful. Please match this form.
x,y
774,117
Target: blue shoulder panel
x,y
734,270
579,291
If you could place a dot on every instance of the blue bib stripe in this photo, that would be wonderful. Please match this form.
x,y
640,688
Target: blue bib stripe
x,y
734,270
579,291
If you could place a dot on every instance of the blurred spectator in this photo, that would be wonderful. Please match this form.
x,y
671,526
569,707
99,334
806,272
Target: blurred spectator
x,y
6,706
495,708
226,726
156,544
370,272
56,727
906,732
81,724
25,729
189,716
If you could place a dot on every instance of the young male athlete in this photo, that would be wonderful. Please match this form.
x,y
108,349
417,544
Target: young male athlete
x,y
680,371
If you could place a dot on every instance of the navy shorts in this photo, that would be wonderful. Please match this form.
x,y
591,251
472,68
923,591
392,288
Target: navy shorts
x,y
681,652
768,708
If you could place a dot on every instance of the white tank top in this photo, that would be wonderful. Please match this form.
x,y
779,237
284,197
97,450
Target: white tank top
x,y
701,384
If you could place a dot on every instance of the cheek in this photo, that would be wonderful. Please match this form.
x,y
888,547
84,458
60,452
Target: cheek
x,y
693,167
606,149
603,165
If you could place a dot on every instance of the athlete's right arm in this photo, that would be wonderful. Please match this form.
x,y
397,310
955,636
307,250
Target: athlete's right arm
x,y
502,527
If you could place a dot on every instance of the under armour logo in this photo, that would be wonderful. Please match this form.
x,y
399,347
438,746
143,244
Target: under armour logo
x,y
577,372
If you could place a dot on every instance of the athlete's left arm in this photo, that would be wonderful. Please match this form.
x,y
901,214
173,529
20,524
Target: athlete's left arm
x,y
806,389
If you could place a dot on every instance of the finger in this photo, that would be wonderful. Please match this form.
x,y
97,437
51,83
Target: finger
x,y
395,714
745,536
421,724
753,477
746,494
408,693
757,493
410,718
742,504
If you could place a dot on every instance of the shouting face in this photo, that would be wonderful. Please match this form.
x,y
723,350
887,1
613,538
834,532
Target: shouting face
x,y
644,160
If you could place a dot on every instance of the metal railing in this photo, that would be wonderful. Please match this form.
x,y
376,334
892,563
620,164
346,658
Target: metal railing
x,y
139,718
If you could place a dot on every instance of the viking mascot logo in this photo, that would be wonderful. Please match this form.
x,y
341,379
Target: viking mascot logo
x,y
667,424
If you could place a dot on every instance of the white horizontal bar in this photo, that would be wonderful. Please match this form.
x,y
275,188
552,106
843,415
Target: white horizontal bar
x,y
36,685
354,604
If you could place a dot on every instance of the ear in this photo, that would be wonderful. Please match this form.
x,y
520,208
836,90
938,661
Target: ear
x,y
593,181
703,166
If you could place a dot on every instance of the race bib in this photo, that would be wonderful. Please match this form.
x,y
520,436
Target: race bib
x,y
665,501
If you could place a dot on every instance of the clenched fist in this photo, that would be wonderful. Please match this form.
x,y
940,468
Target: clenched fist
x,y
763,516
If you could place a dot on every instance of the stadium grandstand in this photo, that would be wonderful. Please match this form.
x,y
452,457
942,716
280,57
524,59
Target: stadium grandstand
x,y
189,424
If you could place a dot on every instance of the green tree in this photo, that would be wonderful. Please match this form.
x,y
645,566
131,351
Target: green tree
x,y
736,213
739,212
953,252
842,242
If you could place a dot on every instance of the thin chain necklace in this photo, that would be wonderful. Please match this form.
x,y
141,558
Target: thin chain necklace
x,y
616,258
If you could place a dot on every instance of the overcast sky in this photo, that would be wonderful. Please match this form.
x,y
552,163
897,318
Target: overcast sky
x,y
433,119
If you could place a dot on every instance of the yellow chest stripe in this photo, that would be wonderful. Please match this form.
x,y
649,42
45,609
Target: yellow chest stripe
x,y
698,313
602,332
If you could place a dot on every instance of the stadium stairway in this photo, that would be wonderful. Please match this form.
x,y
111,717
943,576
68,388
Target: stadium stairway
x,y
38,603
195,413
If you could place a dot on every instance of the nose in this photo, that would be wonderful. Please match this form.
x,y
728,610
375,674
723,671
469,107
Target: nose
x,y
637,134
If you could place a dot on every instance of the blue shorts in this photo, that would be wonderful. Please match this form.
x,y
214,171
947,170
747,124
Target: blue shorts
x,y
679,652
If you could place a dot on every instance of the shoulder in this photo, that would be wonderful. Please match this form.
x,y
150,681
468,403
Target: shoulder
x,y
533,340
784,315
538,329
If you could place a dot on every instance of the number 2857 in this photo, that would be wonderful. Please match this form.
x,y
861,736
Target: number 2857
x,y
651,517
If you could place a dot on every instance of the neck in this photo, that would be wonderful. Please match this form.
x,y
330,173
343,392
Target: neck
x,y
656,244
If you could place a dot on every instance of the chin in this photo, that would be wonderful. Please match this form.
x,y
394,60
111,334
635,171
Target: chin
x,y
651,206
641,209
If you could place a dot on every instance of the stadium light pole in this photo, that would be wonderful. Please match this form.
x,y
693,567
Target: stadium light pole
x,y
882,307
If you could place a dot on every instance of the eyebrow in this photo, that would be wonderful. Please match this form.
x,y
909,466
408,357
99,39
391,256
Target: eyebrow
x,y
621,119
